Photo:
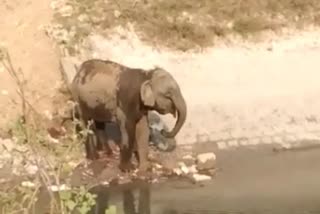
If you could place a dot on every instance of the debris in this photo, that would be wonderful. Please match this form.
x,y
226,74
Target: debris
x,y
188,160
31,169
7,144
183,168
177,171
193,169
66,11
55,188
206,161
200,177
105,183
28,184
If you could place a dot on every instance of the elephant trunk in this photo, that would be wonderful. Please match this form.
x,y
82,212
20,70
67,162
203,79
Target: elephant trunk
x,y
181,108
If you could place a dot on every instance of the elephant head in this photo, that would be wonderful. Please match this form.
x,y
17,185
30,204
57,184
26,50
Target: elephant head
x,y
162,93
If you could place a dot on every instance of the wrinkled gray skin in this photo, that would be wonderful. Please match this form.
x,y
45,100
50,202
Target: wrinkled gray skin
x,y
110,92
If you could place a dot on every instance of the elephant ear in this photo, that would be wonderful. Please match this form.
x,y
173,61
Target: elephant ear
x,y
146,93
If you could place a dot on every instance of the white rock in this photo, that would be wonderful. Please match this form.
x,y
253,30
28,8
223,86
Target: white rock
x,y
183,168
8,144
5,155
158,166
200,177
31,169
27,184
66,11
105,183
177,171
55,188
206,161
188,160
193,169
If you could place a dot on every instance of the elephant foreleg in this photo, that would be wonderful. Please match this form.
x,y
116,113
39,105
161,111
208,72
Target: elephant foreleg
x,y
128,137
142,143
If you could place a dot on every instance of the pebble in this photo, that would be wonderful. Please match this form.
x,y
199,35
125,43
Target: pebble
x,y
56,188
188,160
200,177
32,169
8,144
193,169
183,167
206,161
27,184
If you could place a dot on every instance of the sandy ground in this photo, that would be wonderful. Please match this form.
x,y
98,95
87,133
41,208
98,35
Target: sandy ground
x,y
32,51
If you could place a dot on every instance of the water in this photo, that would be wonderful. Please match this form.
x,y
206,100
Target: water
x,y
250,182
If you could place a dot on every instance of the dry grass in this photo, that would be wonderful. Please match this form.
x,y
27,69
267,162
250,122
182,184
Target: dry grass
x,y
191,23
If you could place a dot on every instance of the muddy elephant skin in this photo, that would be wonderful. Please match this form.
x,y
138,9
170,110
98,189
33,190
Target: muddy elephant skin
x,y
107,91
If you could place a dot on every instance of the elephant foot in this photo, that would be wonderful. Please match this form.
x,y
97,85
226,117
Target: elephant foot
x,y
126,167
92,156
144,174
144,166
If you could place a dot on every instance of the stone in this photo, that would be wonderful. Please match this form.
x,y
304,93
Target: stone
x,y
188,160
233,143
8,144
222,145
200,177
177,171
55,188
206,161
183,167
193,169
28,184
31,169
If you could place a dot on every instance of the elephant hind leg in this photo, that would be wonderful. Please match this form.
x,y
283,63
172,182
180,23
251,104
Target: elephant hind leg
x,y
102,138
90,143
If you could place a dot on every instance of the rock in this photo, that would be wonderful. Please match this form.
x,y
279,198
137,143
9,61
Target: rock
x,y
31,169
55,188
8,144
193,169
188,160
28,184
183,168
200,177
156,138
66,11
177,171
206,161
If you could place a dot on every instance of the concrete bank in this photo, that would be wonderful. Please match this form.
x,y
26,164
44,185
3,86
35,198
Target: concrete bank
x,y
236,95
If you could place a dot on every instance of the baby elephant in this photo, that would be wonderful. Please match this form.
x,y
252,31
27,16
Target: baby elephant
x,y
107,91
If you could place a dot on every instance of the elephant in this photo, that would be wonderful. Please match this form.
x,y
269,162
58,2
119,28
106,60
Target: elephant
x,y
107,91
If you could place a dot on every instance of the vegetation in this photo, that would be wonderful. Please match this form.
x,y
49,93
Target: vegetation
x,y
30,130
187,24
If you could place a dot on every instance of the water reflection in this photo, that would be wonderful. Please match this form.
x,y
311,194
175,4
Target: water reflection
x,y
129,201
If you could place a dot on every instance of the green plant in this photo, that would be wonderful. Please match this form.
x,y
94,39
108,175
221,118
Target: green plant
x,y
18,199
79,199
111,210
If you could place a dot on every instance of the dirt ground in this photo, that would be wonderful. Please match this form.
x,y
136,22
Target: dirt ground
x,y
32,51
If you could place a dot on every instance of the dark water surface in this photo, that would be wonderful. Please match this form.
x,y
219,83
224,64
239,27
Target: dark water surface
x,y
251,181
